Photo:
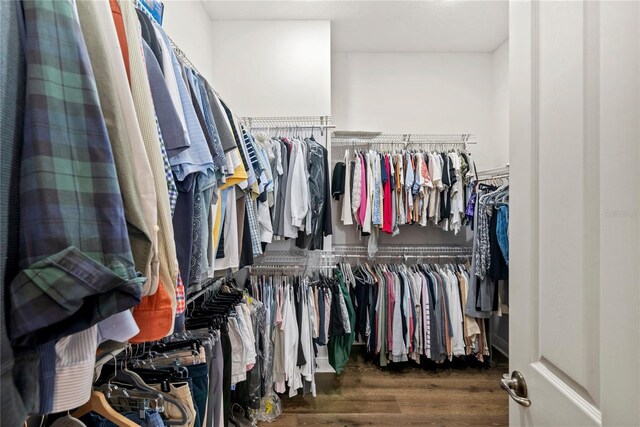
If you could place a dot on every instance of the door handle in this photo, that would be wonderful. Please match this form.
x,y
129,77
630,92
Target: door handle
x,y
516,386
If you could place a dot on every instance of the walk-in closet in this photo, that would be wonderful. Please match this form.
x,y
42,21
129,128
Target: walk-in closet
x,y
301,213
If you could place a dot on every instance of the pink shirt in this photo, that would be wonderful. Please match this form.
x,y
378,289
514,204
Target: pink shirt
x,y
363,192
387,226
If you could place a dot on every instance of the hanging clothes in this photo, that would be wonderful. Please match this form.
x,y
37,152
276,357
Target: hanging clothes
x,y
134,173
293,202
304,313
411,312
382,191
490,251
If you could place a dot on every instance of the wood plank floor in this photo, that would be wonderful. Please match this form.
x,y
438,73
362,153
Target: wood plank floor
x,y
367,395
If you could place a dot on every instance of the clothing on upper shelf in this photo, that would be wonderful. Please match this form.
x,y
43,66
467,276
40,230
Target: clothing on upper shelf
x,y
133,176
384,190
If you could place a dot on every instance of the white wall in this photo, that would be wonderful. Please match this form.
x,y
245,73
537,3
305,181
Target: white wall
x,y
189,26
414,93
273,68
498,154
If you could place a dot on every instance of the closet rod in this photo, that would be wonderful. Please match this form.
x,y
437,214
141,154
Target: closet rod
x,y
183,57
106,357
205,289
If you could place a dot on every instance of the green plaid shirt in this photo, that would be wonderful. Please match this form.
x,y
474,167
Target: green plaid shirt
x,y
75,257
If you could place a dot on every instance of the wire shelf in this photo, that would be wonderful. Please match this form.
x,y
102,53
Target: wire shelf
x,y
301,261
344,138
289,269
412,251
296,257
324,122
502,170
495,173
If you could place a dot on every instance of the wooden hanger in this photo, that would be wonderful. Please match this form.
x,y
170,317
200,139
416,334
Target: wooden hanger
x,y
98,404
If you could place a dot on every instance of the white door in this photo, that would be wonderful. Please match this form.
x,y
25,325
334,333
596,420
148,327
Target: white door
x,y
575,211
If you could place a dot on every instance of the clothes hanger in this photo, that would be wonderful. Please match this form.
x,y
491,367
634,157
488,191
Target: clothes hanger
x,y
135,380
132,399
98,403
129,377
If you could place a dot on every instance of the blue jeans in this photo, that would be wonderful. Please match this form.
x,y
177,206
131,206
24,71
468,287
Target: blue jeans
x,y
199,375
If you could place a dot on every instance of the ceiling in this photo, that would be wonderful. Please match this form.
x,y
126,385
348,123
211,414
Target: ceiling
x,y
387,26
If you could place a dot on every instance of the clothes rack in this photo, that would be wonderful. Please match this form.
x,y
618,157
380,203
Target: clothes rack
x,y
415,313
311,309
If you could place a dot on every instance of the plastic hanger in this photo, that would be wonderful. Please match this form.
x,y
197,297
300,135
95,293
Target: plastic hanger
x,y
143,399
134,379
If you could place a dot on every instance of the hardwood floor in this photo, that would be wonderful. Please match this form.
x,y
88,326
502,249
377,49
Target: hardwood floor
x,y
367,395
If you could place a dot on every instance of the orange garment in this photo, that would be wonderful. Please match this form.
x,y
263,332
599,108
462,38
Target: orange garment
x,y
387,204
122,36
154,316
